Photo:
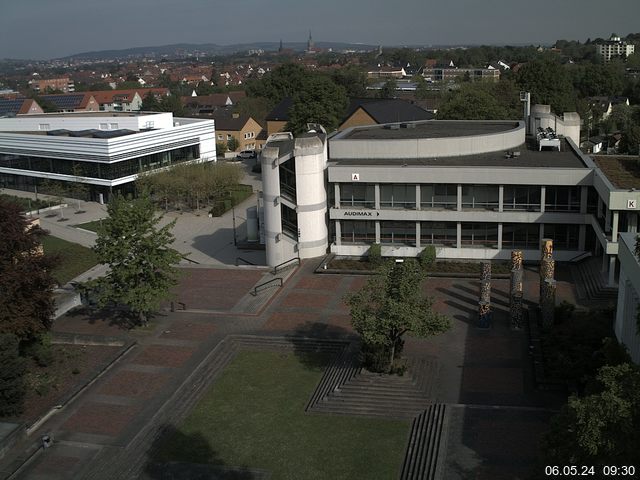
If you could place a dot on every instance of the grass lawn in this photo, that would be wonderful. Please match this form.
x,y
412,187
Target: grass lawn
x,y
92,226
253,417
74,259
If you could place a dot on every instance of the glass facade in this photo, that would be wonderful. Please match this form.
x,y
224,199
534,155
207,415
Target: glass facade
x,y
398,195
287,172
357,195
480,235
398,233
438,233
289,222
106,171
565,237
520,235
358,232
521,197
439,196
480,197
562,199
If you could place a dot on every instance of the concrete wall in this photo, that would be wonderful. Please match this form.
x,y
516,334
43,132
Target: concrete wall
x,y
84,121
628,296
568,125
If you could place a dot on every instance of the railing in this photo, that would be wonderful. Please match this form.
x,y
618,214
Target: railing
x,y
580,257
189,260
266,285
240,259
286,264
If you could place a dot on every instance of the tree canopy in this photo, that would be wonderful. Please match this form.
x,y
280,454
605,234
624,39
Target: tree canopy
x,y
482,101
603,427
392,304
138,253
549,84
26,285
319,100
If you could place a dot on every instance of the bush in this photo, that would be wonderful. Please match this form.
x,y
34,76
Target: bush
x,y
40,350
375,358
375,255
12,368
564,311
427,257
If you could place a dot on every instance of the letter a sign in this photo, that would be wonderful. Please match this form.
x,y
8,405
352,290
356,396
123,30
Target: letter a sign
x,y
355,177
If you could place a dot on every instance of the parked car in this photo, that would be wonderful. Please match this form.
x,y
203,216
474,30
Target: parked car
x,y
247,154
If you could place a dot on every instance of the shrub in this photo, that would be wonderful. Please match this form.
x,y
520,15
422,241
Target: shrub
x,y
12,368
427,257
375,255
40,350
564,311
376,357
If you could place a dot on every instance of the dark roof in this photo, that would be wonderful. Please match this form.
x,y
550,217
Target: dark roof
x,y
388,110
435,129
11,106
529,157
90,133
281,111
225,120
65,101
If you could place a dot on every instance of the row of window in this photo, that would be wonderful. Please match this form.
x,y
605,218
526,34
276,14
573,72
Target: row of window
x,y
445,196
473,234
108,171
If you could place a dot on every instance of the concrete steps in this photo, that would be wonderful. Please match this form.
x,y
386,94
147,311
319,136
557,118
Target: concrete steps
x,y
590,283
425,444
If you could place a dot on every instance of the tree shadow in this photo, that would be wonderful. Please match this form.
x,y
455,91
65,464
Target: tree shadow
x,y
175,455
119,317
315,344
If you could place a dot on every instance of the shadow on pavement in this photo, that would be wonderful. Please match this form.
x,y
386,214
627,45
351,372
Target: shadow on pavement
x,y
316,354
175,455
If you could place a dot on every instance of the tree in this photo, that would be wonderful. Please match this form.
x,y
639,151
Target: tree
x,y
12,367
232,144
26,285
549,84
221,148
150,103
138,253
603,427
630,142
392,304
388,89
480,101
282,82
422,89
77,188
352,79
319,101
171,103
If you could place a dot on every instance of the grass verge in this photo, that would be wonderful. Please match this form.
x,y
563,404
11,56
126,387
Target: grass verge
x,y
74,259
253,417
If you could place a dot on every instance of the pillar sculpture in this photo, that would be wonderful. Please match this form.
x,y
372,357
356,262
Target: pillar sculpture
x,y
484,309
547,284
516,290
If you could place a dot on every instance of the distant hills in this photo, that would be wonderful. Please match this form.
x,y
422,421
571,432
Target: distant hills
x,y
189,49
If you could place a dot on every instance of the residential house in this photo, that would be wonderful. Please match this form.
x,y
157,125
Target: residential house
x,y
73,102
387,73
64,84
374,111
125,100
233,125
18,106
208,104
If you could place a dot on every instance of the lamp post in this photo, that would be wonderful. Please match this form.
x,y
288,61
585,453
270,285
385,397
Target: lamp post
x,y
233,214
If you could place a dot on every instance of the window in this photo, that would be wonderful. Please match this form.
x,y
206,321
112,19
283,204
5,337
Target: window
x,y
113,126
44,126
438,233
220,137
439,196
229,137
104,126
357,195
521,197
289,222
398,195
565,237
520,235
562,199
480,197
288,179
358,232
398,233
480,235
249,135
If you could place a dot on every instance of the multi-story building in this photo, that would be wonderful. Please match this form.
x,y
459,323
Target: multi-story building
x,y
65,84
449,74
614,47
106,151
473,189
233,125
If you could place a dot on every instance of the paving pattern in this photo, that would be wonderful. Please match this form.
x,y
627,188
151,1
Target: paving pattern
x,y
109,430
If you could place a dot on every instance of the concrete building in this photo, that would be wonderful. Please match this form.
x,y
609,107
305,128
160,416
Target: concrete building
x,y
626,326
614,47
474,189
64,84
450,74
110,150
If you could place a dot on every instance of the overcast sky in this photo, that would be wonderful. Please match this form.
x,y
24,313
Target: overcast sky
x,y
40,29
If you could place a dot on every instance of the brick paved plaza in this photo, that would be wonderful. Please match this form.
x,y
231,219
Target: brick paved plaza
x,y
107,431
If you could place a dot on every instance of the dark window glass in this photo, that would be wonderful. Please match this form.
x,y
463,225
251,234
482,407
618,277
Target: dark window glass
x,y
402,233
358,232
438,233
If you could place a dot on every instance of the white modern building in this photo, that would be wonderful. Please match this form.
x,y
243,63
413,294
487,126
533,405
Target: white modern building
x,y
626,326
107,151
614,47
473,189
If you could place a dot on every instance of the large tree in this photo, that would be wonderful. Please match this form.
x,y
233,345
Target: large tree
x,y
12,366
140,259
549,84
481,101
26,285
392,304
318,101
603,427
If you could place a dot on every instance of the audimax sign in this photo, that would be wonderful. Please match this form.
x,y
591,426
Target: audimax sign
x,y
360,213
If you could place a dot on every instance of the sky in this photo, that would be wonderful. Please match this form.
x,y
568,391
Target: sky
x,y
43,29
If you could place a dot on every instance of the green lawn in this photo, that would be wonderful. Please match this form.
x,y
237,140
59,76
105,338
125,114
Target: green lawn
x,y
74,259
253,417
92,226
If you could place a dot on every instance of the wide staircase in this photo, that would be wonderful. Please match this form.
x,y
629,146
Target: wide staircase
x,y
349,389
591,284
425,445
